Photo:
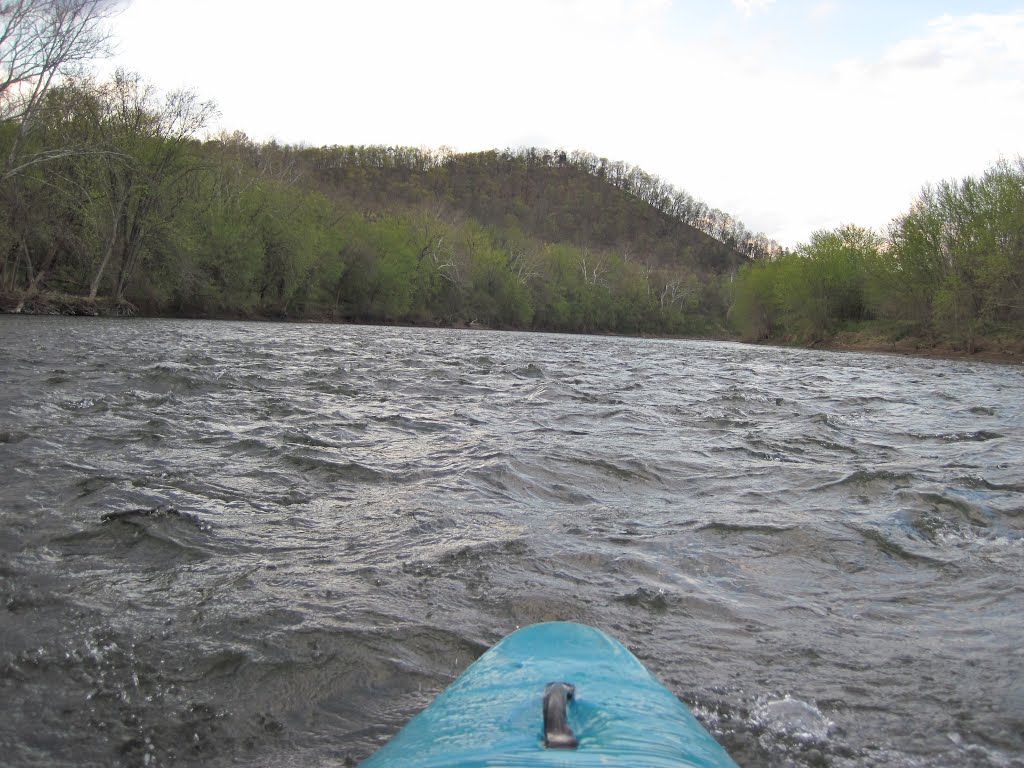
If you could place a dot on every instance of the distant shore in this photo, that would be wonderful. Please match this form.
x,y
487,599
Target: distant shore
x,y
1005,349
50,303
989,349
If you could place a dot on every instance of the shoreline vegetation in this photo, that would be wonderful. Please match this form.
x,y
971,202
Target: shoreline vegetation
x,y
116,199
1007,348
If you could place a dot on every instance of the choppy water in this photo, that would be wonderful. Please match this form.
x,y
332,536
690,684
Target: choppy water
x,y
259,544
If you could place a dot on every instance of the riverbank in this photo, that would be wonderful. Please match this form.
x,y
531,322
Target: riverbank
x,y
51,303
1006,347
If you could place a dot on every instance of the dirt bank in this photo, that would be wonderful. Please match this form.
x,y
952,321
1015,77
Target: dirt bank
x,y
996,348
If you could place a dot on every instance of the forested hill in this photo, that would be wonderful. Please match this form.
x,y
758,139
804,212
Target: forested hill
x,y
112,200
114,197
553,196
110,192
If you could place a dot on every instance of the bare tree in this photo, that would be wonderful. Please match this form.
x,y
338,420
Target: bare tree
x,y
525,263
593,267
39,40
150,143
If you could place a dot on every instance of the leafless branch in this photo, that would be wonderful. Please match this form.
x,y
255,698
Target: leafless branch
x,y
39,40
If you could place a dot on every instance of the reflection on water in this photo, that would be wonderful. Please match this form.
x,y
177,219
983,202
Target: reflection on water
x,y
272,544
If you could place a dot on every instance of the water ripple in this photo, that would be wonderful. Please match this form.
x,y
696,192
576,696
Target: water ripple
x,y
272,544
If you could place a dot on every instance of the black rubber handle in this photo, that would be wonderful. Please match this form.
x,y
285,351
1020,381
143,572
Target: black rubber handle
x,y
557,733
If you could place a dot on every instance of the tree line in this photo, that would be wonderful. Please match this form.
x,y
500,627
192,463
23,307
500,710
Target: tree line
x,y
112,190
128,201
648,188
951,267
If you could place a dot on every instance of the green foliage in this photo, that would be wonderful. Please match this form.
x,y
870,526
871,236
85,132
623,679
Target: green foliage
x,y
130,203
141,210
823,285
755,309
952,266
960,251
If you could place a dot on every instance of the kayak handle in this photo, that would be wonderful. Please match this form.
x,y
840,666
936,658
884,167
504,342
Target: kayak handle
x,y
557,733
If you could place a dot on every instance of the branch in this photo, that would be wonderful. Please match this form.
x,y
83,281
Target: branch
x,y
57,154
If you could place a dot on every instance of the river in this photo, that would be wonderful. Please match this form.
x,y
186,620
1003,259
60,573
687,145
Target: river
x,y
229,543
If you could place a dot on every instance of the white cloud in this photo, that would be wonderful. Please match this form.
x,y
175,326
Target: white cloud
x,y
978,47
823,10
786,151
791,152
944,105
747,7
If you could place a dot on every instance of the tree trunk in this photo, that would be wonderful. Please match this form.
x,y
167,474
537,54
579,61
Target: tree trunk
x,y
32,290
36,278
111,244
131,255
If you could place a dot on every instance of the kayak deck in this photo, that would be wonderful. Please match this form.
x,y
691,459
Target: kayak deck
x,y
493,715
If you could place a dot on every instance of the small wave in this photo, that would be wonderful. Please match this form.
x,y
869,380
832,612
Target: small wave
x,y
649,599
828,445
87,486
888,545
866,477
626,414
793,719
199,358
414,362
134,397
771,453
110,681
337,470
135,516
466,418
298,437
728,422
943,532
731,528
986,755
331,388
531,371
828,420
596,399
469,563
735,395
975,482
176,376
255,446
931,527
488,551
980,436
86,405
412,425
958,508
773,730
513,480
625,470
151,538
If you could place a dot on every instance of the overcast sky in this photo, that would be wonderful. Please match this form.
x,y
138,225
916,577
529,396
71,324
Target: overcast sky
x,y
793,115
